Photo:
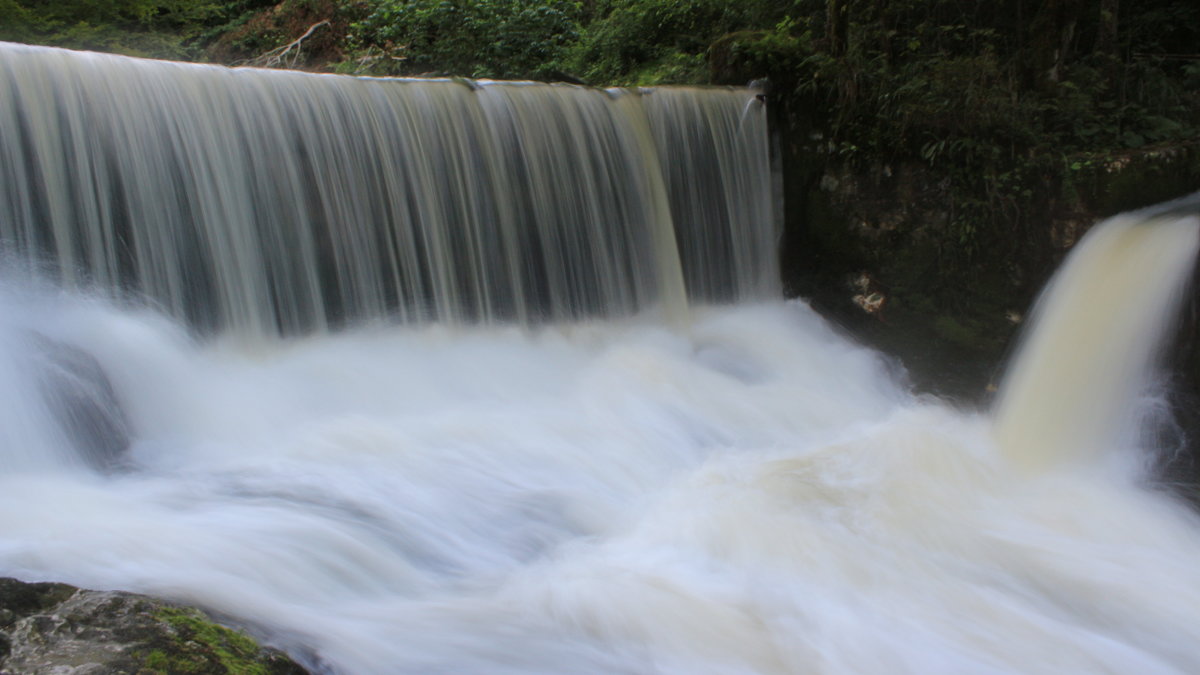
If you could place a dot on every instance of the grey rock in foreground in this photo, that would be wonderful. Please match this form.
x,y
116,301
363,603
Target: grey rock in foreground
x,y
56,629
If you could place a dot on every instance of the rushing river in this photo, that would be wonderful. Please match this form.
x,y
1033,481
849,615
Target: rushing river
x,y
531,486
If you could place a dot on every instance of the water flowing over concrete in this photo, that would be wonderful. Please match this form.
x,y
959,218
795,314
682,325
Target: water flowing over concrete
x,y
259,201
594,486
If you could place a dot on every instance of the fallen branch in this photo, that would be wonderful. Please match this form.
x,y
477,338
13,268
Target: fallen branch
x,y
288,55
371,60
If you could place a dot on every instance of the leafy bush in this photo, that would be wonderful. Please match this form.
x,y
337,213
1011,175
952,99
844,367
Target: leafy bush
x,y
481,38
137,27
654,42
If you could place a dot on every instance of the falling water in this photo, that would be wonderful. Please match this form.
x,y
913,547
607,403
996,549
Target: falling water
x,y
519,471
1073,393
258,201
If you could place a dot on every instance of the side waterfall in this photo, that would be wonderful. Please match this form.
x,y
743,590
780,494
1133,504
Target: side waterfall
x,y
1072,392
566,423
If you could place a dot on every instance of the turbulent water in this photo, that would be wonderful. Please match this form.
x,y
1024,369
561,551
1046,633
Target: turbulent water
x,y
753,494
1074,394
738,490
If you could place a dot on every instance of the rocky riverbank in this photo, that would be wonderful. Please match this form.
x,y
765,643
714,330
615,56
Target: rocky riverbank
x,y
52,628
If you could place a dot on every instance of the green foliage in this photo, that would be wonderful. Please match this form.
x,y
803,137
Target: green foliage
x,y
171,29
605,42
781,51
480,38
673,67
230,16
159,28
653,41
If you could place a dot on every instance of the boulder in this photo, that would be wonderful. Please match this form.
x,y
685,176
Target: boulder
x,y
56,629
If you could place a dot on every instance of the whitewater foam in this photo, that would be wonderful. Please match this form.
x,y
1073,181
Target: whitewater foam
x,y
752,494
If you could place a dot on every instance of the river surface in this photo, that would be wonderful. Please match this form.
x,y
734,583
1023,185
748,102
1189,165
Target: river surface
x,y
750,494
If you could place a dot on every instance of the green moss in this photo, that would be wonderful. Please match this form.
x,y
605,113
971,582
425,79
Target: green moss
x,y
158,660
949,329
204,646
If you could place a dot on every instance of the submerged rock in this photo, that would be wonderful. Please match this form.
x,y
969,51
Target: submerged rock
x,y
80,395
50,628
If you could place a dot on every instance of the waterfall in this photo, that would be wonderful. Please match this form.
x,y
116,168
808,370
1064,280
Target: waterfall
x,y
566,424
268,201
1072,392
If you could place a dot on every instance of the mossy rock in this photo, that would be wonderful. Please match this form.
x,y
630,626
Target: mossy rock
x,y
19,599
54,628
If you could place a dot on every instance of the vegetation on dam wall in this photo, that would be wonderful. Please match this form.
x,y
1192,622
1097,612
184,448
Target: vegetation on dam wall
x,y
941,158
973,134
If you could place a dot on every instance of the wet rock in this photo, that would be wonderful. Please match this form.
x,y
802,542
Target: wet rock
x,y
80,395
56,629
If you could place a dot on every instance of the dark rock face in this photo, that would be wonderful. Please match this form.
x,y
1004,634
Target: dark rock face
x,y
948,295
50,628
